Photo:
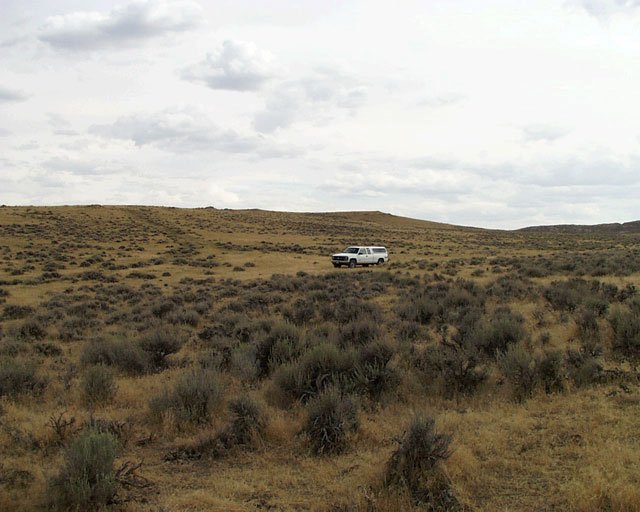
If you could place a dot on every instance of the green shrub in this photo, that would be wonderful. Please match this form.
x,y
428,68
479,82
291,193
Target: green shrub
x,y
348,309
519,366
18,377
194,397
588,328
249,419
87,479
421,451
321,367
568,295
409,331
457,368
358,332
374,376
14,311
280,345
421,309
584,368
47,349
31,329
550,371
497,334
507,288
301,312
242,363
330,418
184,316
121,354
248,423
74,328
626,330
161,342
98,385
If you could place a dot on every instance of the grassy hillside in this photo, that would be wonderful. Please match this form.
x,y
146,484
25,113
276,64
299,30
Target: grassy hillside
x,y
212,359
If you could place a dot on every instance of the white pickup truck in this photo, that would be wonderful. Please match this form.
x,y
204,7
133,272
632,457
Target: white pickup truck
x,y
359,255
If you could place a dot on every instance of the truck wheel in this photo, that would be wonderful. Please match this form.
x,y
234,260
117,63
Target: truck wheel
x,y
380,261
352,263
335,265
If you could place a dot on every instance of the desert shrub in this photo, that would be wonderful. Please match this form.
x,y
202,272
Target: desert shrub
x,y
280,345
421,309
322,333
414,465
348,309
98,385
460,296
302,311
161,342
248,423
544,338
249,419
253,301
568,295
242,363
599,305
321,367
626,330
373,375
626,293
74,328
588,328
184,316
330,418
32,329
550,371
634,304
458,369
121,354
121,430
519,366
162,307
12,347
14,311
19,377
358,332
47,349
194,397
87,480
584,369
235,326
409,330
507,288
495,335
209,332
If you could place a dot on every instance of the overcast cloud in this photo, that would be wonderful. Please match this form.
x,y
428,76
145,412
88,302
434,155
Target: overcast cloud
x,y
123,24
484,113
236,66
11,95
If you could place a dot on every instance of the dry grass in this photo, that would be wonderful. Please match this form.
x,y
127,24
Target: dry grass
x,y
120,272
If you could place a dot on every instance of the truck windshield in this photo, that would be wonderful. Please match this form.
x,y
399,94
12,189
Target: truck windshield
x,y
351,250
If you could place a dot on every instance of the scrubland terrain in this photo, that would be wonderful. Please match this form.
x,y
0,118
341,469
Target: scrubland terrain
x,y
158,359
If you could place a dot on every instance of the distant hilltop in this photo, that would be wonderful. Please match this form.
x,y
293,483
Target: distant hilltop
x,y
351,218
615,227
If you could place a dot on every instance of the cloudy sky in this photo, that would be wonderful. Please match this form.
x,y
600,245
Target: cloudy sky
x,y
476,112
